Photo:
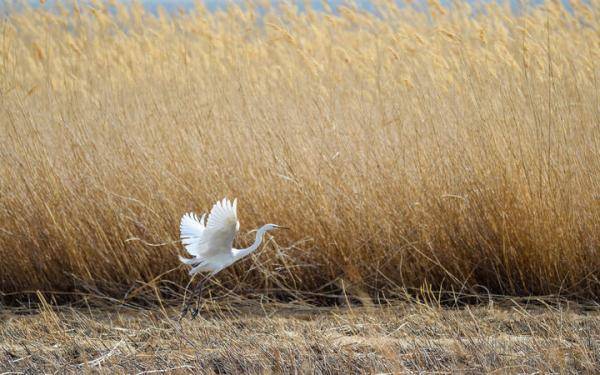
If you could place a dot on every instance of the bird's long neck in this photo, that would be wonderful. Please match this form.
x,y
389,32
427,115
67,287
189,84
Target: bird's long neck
x,y
257,241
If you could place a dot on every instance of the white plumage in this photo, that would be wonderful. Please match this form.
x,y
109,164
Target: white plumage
x,y
210,242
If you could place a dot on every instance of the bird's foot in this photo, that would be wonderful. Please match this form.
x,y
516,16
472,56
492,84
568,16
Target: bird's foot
x,y
194,312
183,312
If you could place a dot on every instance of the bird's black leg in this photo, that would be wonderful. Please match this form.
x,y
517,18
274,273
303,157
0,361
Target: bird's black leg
x,y
196,292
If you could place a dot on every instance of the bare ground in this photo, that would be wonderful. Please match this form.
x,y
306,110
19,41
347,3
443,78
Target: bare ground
x,y
290,339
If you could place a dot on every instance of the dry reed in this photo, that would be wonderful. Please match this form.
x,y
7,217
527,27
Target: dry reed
x,y
439,149
406,339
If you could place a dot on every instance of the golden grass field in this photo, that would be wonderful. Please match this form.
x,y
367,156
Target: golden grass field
x,y
423,159
447,150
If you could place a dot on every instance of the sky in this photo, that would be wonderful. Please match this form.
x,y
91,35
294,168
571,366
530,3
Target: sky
x,y
174,5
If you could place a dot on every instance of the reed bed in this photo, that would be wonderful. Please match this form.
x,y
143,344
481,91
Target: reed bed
x,y
410,148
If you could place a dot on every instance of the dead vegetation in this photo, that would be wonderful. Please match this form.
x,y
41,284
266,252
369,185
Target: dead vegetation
x,y
439,149
272,338
446,154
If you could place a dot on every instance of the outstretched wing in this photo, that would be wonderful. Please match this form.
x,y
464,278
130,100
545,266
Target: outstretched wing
x,y
221,228
210,243
191,229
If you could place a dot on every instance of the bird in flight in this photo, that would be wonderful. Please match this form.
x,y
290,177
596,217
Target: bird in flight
x,y
210,243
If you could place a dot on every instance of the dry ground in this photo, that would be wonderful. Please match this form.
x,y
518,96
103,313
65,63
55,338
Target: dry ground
x,y
293,338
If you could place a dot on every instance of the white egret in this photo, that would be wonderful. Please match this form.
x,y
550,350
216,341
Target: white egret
x,y
210,243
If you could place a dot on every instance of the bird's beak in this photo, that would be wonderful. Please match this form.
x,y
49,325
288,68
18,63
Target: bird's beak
x,y
280,227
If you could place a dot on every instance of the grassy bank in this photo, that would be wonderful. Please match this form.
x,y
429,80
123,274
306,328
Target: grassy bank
x,y
446,150
284,339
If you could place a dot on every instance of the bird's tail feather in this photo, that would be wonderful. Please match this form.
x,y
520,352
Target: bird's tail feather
x,y
189,261
197,264
200,267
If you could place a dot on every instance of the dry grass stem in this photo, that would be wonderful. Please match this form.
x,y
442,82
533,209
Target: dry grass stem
x,y
445,150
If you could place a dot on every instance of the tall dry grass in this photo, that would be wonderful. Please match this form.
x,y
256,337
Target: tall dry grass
x,y
441,149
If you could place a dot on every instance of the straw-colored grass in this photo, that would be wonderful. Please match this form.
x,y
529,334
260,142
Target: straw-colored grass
x,y
439,149
404,339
